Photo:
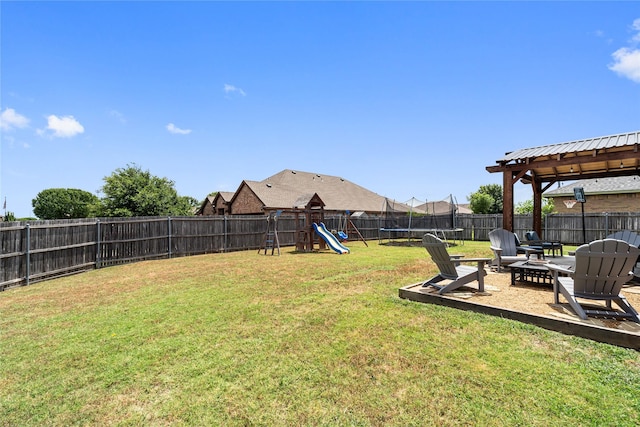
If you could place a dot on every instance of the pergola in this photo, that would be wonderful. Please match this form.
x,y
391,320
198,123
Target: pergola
x,y
606,156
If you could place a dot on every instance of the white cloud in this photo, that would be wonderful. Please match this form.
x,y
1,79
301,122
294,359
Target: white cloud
x,y
176,130
232,89
627,63
118,116
62,127
627,59
10,120
636,27
12,142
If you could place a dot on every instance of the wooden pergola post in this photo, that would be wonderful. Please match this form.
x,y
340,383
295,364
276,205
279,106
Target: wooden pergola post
x,y
509,178
507,200
536,185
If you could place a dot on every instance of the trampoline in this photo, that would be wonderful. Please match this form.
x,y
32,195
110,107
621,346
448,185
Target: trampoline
x,y
446,235
437,218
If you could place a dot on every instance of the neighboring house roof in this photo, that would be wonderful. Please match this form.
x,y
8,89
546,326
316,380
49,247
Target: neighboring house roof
x,y
464,208
226,195
200,209
274,196
337,193
284,189
440,207
617,185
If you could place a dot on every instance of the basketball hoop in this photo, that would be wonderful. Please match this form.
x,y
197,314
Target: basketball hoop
x,y
570,203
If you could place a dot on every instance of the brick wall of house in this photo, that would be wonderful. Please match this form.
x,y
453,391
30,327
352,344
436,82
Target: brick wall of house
x,y
208,208
220,207
598,203
246,203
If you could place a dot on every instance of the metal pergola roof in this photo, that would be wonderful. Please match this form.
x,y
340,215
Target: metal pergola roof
x,y
606,156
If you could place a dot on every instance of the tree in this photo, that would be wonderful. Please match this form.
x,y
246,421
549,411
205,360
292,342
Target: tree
x,y
480,203
58,203
494,191
130,191
526,207
192,202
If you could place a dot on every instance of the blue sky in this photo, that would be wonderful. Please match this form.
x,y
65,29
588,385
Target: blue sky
x,y
410,99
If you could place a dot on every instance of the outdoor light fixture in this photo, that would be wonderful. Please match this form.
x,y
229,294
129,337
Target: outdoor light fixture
x,y
621,164
571,170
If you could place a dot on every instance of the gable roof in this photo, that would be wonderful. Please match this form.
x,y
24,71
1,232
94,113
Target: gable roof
x,y
286,190
616,185
225,195
337,193
275,196
221,199
207,201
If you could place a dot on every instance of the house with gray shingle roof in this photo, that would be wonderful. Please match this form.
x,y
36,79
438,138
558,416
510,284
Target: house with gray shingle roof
x,y
215,205
618,194
282,190
206,207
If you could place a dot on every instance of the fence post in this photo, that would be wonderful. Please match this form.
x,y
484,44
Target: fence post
x,y
224,244
606,223
98,251
28,253
169,236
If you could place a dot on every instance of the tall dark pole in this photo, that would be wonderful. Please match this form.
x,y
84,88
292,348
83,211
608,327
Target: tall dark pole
x,y
578,193
584,232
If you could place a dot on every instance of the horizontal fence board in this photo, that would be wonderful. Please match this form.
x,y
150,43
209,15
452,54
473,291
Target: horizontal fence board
x,y
41,250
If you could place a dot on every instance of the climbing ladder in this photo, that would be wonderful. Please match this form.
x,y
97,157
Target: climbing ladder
x,y
270,241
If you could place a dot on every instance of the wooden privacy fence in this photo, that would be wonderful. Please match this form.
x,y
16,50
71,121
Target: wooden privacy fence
x,y
566,228
40,250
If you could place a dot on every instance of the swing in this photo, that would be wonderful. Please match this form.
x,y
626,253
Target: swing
x,y
343,226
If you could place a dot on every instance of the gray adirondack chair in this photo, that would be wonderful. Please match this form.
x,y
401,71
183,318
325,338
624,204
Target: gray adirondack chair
x,y
450,268
550,246
503,245
602,268
631,238
628,236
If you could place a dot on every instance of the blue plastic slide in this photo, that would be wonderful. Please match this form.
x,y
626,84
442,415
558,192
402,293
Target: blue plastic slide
x,y
330,239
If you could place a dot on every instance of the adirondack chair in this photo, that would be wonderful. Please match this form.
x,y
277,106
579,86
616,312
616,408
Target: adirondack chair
x,y
450,268
633,239
602,268
551,247
528,249
503,245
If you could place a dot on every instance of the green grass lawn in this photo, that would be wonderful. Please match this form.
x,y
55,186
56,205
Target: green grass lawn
x,y
299,339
